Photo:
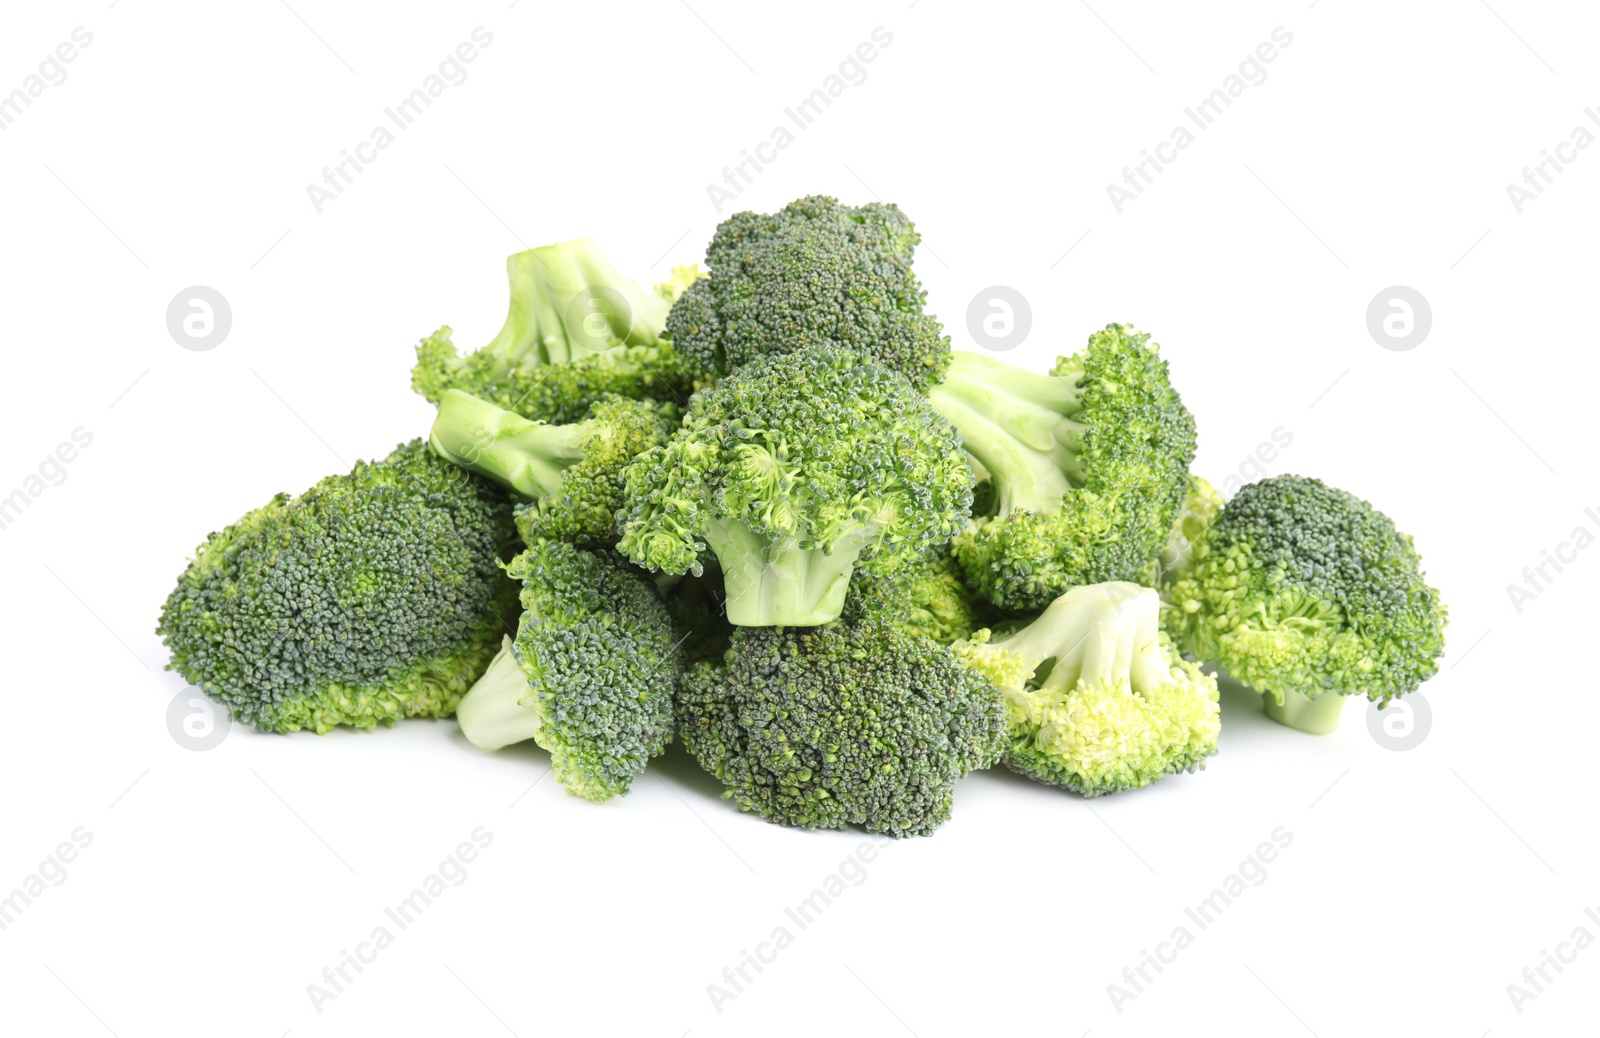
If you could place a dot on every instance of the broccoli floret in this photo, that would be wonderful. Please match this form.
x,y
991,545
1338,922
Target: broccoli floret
x,y
815,271
843,724
790,470
1089,464
1307,594
1097,701
571,473
927,596
371,597
577,329
590,675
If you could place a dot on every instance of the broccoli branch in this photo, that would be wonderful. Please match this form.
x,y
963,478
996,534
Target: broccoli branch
x,y
529,457
1019,427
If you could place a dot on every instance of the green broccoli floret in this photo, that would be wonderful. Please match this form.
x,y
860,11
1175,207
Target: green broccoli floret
x,y
926,596
590,675
790,470
1097,701
815,271
844,724
371,597
571,473
1308,594
1089,464
577,329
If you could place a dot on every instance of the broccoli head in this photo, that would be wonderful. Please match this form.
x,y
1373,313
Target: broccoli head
x,y
1097,701
590,675
577,329
570,473
790,470
370,597
815,271
1307,594
1088,465
844,724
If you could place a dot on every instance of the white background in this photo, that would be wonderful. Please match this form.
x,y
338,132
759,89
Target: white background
x,y
1377,151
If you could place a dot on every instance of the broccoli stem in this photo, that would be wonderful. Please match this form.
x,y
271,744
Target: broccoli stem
x,y
568,302
492,715
772,582
1018,425
1317,716
517,343
529,457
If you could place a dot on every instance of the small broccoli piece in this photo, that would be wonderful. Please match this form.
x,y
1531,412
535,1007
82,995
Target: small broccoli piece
x,y
1097,701
1089,464
371,597
844,724
1307,594
790,470
815,271
572,473
926,596
577,329
590,675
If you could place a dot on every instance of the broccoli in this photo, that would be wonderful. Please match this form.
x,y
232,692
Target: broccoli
x,y
370,597
590,675
843,724
1097,701
577,330
790,470
572,473
926,596
1088,464
1308,594
815,271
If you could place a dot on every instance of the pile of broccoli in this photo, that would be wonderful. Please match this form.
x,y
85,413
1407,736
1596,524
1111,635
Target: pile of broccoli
x,y
765,509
